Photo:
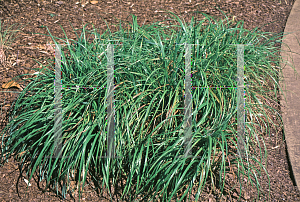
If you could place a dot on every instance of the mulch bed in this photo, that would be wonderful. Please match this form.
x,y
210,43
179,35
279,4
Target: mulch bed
x,y
28,47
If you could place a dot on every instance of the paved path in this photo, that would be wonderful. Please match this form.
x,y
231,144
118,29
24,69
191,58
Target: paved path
x,y
291,88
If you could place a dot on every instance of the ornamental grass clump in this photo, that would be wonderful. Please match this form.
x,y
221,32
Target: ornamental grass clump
x,y
149,70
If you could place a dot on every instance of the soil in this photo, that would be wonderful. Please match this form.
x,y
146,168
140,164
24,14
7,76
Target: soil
x,y
29,47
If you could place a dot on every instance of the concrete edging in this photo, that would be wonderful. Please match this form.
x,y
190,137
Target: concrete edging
x,y
290,104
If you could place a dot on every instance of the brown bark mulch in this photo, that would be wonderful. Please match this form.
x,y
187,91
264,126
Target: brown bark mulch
x,y
52,13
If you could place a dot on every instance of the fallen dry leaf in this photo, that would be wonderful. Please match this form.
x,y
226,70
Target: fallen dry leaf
x,y
11,84
94,2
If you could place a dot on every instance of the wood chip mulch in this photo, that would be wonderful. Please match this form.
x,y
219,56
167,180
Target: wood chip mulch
x,y
20,59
